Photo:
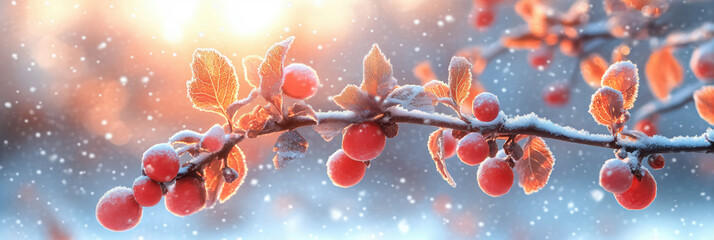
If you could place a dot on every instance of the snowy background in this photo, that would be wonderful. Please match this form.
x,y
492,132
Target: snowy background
x,y
87,86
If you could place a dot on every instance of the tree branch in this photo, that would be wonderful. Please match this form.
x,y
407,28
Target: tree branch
x,y
676,100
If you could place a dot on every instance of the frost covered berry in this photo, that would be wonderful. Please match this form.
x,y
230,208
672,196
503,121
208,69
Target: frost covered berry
x,y
161,163
186,197
449,144
472,149
301,81
213,139
656,161
364,141
556,94
486,107
640,195
647,127
615,176
117,209
146,192
344,171
494,177
702,62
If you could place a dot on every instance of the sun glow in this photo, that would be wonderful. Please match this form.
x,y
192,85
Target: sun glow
x,y
248,17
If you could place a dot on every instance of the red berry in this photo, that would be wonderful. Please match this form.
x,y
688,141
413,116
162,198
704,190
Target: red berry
x,y
640,195
117,210
161,163
486,107
656,161
702,62
146,192
494,177
646,126
472,149
615,176
556,94
213,139
364,141
481,17
343,170
186,197
449,144
301,81
540,58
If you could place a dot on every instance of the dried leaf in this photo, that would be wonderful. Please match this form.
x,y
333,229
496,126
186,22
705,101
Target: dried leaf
x,y
356,100
411,97
271,72
704,102
255,121
214,85
592,68
663,72
459,79
536,165
251,64
213,176
329,130
424,72
436,149
302,110
235,160
606,106
378,80
623,77
390,129
185,137
290,146
438,88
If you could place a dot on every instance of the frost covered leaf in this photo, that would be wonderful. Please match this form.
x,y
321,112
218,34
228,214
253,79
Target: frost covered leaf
x,y
536,165
255,121
213,176
622,76
329,130
378,80
704,101
235,160
185,137
251,64
663,72
606,106
592,68
302,110
411,97
214,85
271,72
438,88
424,72
436,149
290,146
459,79
354,99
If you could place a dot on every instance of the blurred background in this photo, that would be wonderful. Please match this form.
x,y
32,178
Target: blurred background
x,y
87,86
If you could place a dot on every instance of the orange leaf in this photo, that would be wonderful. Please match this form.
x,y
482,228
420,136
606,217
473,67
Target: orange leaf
x,y
663,72
704,101
623,77
606,106
271,72
250,69
436,149
459,79
214,85
378,80
213,176
354,99
523,41
535,166
302,110
438,88
424,72
255,121
592,68
235,160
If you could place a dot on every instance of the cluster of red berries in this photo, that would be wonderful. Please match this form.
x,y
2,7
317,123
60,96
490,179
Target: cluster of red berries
x,y
634,188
